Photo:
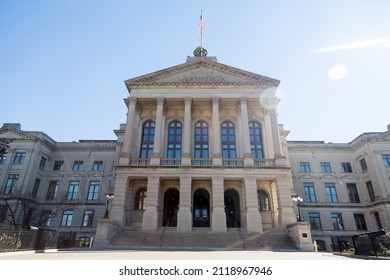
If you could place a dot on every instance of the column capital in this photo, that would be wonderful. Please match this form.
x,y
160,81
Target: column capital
x,y
131,100
160,100
215,100
243,100
187,100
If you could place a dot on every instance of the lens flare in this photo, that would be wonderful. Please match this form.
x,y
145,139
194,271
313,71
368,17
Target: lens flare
x,y
338,72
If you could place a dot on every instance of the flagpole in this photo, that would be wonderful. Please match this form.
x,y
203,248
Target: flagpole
x,y
201,30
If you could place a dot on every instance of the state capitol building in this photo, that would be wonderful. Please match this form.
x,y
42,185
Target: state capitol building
x,y
201,150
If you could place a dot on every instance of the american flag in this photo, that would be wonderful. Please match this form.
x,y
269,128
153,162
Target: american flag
x,y
200,25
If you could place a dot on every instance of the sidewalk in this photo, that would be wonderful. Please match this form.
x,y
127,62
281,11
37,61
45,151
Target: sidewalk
x,y
169,255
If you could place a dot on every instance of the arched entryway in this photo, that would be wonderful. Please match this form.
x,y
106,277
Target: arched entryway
x,y
232,209
171,207
201,208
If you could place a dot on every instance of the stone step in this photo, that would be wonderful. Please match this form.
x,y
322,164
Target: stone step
x,y
203,238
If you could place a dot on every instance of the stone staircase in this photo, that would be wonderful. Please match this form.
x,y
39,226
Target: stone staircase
x,y
203,239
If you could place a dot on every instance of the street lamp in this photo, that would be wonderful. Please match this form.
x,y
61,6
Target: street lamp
x,y
298,201
109,198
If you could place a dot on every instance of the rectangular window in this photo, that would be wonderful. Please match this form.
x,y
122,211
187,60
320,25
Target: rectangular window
x,y
42,163
337,221
11,183
353,193
19,158
93,190
46,217
67,218
331,194
370,191
386,160
346,167
88,218
378,220
58,165
78,165
3,213
304,167
72,190
97,166
325,167
52,190
363,164
360,221
310,195
315,222
3,158
36,188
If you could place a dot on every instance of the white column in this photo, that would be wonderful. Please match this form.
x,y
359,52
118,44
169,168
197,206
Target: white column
x,y
218,216
155,160
118,208
150,218
248,159
184,218
216,132
285,204
275,133
253,217
186,155
125,156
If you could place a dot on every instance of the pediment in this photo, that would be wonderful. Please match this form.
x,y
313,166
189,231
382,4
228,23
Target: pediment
x,y
329,176
307,176
384,137
201,72
13,134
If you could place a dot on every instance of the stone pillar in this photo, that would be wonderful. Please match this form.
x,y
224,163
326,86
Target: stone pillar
x,y
186,155
125,156
216,132
253,217
218,216
248,159
300,232
285,204
275,133
117,212
184,218
150,218
155,159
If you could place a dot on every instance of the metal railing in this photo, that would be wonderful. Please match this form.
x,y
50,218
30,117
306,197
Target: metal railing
x,y
202,162
233,162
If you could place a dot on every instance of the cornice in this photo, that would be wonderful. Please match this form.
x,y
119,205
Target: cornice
x,y
148,80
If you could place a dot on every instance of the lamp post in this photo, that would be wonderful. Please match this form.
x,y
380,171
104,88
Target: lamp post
x,y
298,201
109,198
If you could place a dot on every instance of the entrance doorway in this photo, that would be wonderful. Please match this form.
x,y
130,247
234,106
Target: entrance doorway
x,y
171,207
201,214
232,209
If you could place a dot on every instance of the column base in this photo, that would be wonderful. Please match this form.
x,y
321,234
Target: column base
x,y
253,221
218,222
184,220
150,219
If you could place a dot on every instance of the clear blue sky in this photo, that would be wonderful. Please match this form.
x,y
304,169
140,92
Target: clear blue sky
x,y
63,63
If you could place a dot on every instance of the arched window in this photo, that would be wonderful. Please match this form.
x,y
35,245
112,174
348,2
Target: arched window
x,y
140,199
174,140
201,140
228,140
147,139
263,200
256,140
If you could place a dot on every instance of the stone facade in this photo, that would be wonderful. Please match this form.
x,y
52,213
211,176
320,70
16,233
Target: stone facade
x,y
201,147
